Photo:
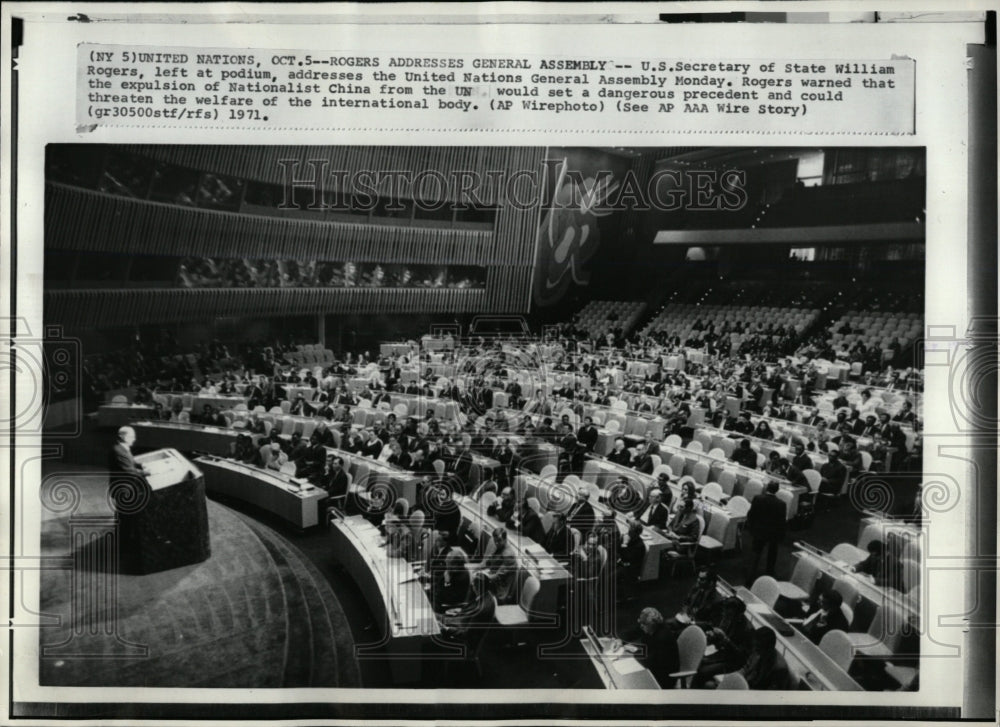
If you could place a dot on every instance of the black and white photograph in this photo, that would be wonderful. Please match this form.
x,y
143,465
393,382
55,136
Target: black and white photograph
x,y
498,363
435,418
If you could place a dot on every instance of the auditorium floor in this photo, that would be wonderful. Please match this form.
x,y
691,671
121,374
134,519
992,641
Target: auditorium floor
x,y
503,666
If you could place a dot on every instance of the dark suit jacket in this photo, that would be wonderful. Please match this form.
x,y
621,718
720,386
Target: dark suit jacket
x,y
587,436
531,527
745,457
819,627
661,657
581,516
402,460
768,672
121,460
803,462
766,518
462,466
657,518
643,463
623,457
335,483
559,543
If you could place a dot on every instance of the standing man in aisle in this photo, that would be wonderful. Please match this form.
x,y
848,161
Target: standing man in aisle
x,y
766,524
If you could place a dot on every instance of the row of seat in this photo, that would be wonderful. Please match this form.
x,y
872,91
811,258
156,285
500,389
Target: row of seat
x,y
593,317
679,319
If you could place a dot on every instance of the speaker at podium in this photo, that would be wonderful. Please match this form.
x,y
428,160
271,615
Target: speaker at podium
x,y
162,517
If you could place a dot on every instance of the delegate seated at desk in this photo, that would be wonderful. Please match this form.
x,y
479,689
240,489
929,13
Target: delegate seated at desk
x,y
619,455
832,475
825,617
744,456
765,668
500,568
477,614
659,642
729,632
654,514
503,508
528,522
882,565
559,540
272,456
700,602
685,527
333,478
631,555
581,514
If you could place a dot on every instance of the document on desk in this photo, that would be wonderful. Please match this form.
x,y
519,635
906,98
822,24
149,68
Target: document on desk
x,y
627,665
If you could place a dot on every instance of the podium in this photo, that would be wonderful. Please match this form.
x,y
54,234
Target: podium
x,y
162,521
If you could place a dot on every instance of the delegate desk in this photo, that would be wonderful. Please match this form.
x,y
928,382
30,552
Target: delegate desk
x,y
617,668
785,428
632,425
553,496
552,576
288,497
397,349
878,596
535,455
118,415
876,527
393,592
292,392
483,468
435,343
818,671
216,401
417,405
601,472
366,472
743,474
765,446
187,437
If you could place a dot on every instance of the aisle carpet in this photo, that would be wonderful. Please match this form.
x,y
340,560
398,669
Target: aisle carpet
x,y
256,614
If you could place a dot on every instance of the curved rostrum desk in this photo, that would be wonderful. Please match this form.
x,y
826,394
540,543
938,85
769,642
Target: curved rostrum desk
x,y
288,497
187,437
393,591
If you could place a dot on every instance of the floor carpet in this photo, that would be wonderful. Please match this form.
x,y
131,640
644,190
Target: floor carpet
x,y
256,614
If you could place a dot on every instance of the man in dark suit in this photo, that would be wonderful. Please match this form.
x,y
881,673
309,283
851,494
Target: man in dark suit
x,y
121,462
653,514
643,462
832,475
581,515
826,617
813,418
766,523
559,540
744,455
765,668
334,478
744,425
659,651
529,524
504,506
587,434
801,460
460,464
619,454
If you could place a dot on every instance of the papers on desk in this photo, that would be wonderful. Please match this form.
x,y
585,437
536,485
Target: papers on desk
x,y
546,563
759,608
627,666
